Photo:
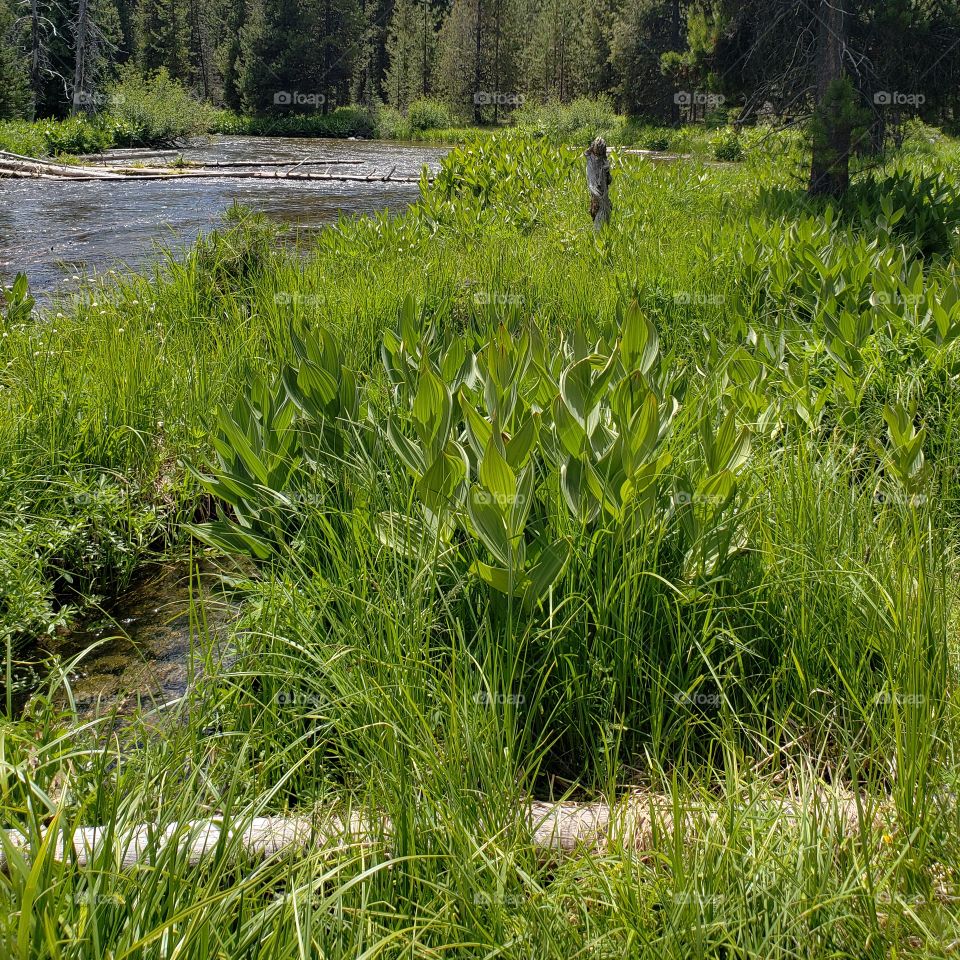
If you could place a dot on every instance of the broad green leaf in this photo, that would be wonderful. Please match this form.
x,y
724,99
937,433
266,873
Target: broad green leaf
x,y
497,477
488,524
639,343
545,572
518,447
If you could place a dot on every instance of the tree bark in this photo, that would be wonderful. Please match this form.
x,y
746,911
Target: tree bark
x,y
598,183
80,58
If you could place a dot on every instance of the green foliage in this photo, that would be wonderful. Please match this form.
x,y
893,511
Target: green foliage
x,y
727,146
533,511
153,110
341,122
921,210
577,122
15,95
426,114
76,135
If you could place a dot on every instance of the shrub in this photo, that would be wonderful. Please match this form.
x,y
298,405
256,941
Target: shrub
x,y
19,136
342,122
76,135
577,122
153,110
726,146
391,124
427,114
922,210
657,142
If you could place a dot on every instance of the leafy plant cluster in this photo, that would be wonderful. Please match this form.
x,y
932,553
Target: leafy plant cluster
x,y
339,122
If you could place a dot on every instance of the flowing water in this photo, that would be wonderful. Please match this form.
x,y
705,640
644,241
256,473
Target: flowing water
x,y
140,652
60,231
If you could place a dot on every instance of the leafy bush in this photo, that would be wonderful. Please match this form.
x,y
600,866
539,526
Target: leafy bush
x,y
341,122
153,110
428,114
391,124
922,210
726,146
657,142
20,136
76,135
576,122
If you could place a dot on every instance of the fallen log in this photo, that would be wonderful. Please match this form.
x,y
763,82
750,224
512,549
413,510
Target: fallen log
x,y
13,165
563,827
230,164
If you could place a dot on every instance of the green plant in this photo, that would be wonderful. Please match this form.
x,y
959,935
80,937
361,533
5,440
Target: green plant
x,y
152,110
428,114
76,135
726,146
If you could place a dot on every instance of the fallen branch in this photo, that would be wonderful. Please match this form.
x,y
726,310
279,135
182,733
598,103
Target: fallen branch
x,y
13,165
229,164
564,827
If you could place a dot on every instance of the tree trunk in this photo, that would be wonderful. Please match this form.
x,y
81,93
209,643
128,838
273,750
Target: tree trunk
x,y
598,183
35,51
80,59
477,65
830,165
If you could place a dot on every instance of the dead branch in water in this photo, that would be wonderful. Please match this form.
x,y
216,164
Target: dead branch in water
x,y
13,165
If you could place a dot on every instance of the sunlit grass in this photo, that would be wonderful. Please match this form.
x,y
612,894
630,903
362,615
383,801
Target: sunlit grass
x,y
821,668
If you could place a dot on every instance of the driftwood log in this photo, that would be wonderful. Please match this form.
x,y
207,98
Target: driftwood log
x,y
554,828
598,182
230,164
13,165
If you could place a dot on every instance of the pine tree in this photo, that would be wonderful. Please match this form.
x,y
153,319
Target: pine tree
x,y
163,37
552,57
642,33
298,55
479,58
411,44
15,99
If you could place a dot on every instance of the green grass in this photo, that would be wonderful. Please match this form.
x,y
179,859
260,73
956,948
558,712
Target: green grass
x,y
814,662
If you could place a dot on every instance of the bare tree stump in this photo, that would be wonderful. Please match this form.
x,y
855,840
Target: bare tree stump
x,y
598,182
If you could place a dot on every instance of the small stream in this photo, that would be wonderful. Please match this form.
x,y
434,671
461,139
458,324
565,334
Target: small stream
x,y
58,232
139,652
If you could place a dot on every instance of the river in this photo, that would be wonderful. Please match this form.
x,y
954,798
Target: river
x,y
58,232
